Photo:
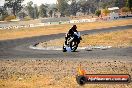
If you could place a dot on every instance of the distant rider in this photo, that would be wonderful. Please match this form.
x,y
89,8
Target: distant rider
x,y
71,33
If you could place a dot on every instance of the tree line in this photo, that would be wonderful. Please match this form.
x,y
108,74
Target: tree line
x,y
64,7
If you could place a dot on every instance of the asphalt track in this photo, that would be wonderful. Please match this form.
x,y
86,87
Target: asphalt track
x,y
19,48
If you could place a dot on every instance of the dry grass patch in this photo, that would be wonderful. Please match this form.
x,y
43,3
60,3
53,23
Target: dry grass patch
x,y
55,29
58,73
116,39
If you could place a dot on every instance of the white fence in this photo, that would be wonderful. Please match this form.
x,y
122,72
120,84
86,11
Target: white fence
x,y
83,20
45,24
22,26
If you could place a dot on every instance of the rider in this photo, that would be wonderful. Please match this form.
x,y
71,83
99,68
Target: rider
x,y
71,33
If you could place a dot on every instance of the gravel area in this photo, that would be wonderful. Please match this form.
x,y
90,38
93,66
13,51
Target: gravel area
x,y
51,73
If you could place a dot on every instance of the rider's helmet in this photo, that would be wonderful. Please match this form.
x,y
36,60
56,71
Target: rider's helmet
x,y
74,27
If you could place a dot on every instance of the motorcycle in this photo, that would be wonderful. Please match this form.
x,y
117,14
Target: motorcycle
x,y
71,42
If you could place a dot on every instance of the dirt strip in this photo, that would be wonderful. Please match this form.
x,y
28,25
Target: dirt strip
x,y
37,73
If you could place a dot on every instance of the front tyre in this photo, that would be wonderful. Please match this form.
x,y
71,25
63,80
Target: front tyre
x,y
73,46
64,49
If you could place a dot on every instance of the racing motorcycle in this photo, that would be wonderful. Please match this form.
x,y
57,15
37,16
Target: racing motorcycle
x,y
72,42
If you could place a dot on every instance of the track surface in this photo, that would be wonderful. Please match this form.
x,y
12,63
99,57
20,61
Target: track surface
x,y
19,48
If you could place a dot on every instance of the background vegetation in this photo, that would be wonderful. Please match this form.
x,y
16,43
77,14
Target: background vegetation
x,y
63,7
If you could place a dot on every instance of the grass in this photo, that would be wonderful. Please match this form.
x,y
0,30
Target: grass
x,y
116,39
58,73
55,29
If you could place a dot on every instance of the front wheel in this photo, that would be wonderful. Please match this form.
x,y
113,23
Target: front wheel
x,y
64,49
73,46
